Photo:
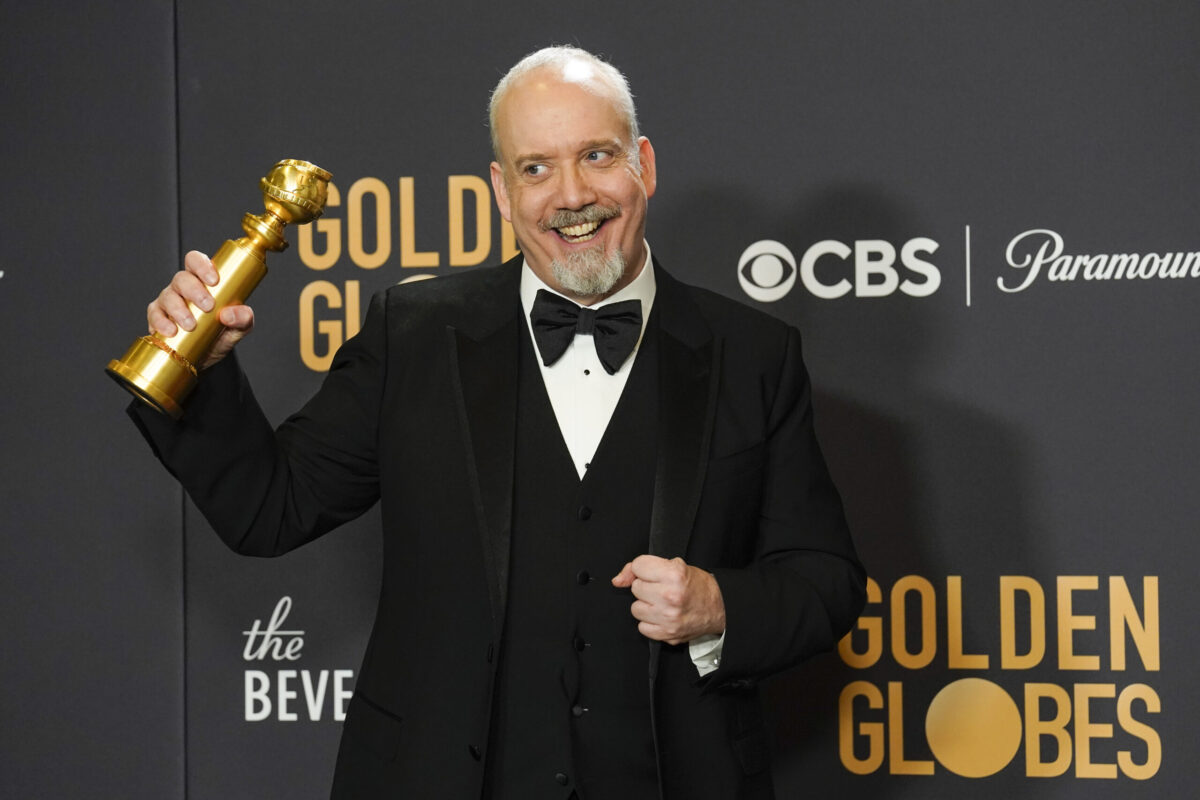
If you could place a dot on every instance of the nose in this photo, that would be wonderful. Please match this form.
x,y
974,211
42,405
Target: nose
x,y
575,189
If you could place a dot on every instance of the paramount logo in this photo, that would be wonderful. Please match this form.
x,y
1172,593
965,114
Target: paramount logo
x,y
1041,249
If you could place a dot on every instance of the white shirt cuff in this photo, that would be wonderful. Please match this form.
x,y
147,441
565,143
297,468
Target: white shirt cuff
x,y
705,652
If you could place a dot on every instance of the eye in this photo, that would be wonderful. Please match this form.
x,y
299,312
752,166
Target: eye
x,y
535,170
598,156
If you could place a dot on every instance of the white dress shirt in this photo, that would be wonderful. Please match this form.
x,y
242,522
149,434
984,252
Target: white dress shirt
x,y
584,397
582,393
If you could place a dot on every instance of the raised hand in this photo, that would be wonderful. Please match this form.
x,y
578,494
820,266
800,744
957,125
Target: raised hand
x,y
169,311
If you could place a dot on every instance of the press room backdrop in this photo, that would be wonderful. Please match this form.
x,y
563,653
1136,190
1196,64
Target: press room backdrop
x,y
981,216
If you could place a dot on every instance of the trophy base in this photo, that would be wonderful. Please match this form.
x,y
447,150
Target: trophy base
x,y
155,374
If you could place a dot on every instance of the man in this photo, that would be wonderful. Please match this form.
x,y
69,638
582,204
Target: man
x,y
605,514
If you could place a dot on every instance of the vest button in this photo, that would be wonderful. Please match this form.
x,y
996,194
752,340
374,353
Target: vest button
x,y
562,778
583,577
578,711
585,513
578,643
474,750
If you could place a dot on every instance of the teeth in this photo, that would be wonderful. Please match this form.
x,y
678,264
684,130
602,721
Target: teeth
x,y
585,229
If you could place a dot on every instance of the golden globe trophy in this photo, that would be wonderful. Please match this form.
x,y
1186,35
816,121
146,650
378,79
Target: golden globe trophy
x,y
162,371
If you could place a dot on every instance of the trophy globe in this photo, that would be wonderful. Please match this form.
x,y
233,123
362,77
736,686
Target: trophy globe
x,y
161,370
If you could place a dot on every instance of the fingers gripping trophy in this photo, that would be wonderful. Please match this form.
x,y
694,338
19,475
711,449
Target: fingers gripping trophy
x,y
161,370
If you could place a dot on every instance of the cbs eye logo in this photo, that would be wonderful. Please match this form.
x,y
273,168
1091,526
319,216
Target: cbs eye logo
x,y
767,271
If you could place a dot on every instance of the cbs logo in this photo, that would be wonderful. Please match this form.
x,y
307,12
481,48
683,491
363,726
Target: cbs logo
x,y
767,270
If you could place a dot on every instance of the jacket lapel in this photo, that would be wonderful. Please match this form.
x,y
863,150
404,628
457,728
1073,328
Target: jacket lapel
x,y
689,371
484,352
689,359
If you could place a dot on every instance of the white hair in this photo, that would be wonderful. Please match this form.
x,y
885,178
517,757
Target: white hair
x,y
561,57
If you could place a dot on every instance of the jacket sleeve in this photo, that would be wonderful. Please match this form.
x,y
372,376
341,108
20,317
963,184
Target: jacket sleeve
x,y
267,492
804,586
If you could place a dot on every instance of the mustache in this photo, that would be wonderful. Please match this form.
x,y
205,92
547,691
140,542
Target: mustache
x,y
564,218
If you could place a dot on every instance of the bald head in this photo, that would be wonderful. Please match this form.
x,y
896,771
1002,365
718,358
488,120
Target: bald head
x,y
572,65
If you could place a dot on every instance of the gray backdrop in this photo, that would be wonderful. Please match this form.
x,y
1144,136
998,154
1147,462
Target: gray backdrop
x,y
990,424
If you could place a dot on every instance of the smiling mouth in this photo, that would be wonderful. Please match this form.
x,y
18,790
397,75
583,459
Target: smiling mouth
x,y
583,232
578,227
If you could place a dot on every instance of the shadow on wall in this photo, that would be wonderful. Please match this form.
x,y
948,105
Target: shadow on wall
x,y
931,486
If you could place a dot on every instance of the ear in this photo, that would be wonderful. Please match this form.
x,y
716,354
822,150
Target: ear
x,y
501,191
649,171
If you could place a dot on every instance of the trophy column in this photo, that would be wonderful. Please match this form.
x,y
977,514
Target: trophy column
x,y
162,371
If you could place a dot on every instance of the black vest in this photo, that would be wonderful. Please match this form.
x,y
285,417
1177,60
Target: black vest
x,y
572,702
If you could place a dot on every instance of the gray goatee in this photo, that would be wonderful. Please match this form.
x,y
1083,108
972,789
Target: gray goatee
x,y
591,272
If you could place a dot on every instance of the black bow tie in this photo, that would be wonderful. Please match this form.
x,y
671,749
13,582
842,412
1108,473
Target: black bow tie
x,y
614,328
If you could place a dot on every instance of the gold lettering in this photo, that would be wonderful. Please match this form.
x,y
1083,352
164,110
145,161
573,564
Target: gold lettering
x,y
1009,657
1123,616
459,185
954,632
331,229
925,594
1086,730
897,763
1069,622
1036,728
331,329
1141,772
353,315
355,222
873,626
873,731
409,255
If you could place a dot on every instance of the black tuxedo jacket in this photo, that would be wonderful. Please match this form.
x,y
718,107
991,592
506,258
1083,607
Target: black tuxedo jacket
x,y
419,411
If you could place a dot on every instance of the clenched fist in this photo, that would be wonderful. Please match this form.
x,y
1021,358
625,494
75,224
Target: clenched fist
x,y
676,602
